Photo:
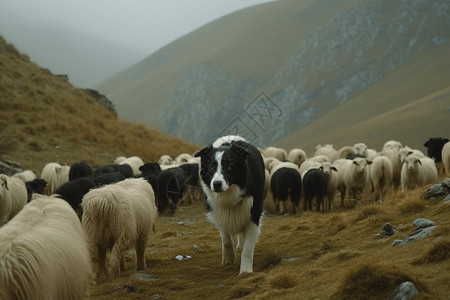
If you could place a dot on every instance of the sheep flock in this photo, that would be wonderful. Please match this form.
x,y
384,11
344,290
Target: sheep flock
x,y
72,224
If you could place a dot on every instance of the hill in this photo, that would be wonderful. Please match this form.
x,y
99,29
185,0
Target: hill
x,y
43,118
309,58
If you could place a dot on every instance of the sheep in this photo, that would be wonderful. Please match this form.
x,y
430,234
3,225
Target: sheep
x,y
310,163
55,175
381,174
446,158
269,162
123,169
165,160
332,179
392,145
361,149
74,191
297,156
183,158
134,162
278,153
26,175
80,169
13,197
417,171
434,150
118,217
352,176
43,253
394,157
35,186
405,151
333,154
119,160
314,186
286,182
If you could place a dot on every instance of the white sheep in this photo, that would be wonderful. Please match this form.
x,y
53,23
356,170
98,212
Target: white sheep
x,y
43,253
278,153
405,151
119,160
307,165
165,160
268,162
297,156
417,171
392,145
55,175
361,149
446,158
135,162
118,217
13,197
334,154
26,175
381,174
352,176
183,158
326,150
394,156
330,172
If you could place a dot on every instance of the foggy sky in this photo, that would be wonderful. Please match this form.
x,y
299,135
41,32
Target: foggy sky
x,y
92,40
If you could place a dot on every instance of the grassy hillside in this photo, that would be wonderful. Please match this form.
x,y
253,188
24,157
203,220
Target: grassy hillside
x,y
360,58
44,118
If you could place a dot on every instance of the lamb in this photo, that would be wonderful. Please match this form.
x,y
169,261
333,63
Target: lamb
x,y
278,153
165,160
381,174
55,175
314,186
330,172
352,176
297,156
26,175
446,158
134,162
13,197
43,253
417,172
118,217
80,169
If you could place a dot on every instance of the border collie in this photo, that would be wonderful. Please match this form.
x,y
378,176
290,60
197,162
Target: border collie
x,y
232,177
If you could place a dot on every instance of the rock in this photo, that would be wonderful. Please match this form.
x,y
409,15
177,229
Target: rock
x,y
156,297
446,198
397,242
405,291
194,248
423,223
182,257
446,182
142,276
388,229
440,189
419,234
292,259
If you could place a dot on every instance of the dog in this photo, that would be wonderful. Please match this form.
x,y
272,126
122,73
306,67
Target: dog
x,y
232,177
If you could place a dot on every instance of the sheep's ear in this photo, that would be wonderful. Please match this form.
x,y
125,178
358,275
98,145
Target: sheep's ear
x,y
420,163
334,168
203,152
427,143
409,153
321,168
369,162
355,162
5,182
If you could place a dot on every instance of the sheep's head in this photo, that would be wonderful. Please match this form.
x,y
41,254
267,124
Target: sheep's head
x,y
360,164
3,183
327,168
412,163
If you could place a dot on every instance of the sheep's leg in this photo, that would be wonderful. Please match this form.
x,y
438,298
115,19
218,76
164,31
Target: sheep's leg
x,y
101,263
115,257
141,243
228,252
240,240
282,204
251,234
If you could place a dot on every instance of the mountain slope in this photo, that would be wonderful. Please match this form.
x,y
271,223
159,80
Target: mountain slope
x,y
44,118
308,58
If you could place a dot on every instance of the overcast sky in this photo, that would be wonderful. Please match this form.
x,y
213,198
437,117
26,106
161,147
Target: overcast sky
x,y
50,30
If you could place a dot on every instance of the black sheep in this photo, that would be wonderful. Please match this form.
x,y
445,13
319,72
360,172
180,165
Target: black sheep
x,y
107,178
74,191
35,186
123,169
80,169
314,185
286,182
170,185
434,148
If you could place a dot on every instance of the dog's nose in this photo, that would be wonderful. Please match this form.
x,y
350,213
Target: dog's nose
x,y
217,184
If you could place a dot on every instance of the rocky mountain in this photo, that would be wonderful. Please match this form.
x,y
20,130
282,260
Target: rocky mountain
x,y
278,68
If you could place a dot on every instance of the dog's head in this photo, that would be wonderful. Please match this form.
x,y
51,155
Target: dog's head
x,y
224,166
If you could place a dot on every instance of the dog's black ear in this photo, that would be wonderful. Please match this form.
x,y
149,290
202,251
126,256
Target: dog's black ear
x,y
240,150
203,152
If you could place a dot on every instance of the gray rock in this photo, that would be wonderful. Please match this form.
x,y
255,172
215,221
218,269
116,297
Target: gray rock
x,y
142,276
446,182
423,223
156,297
419,234
397,242
194,248
437,190
405,291
388,229
447,198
